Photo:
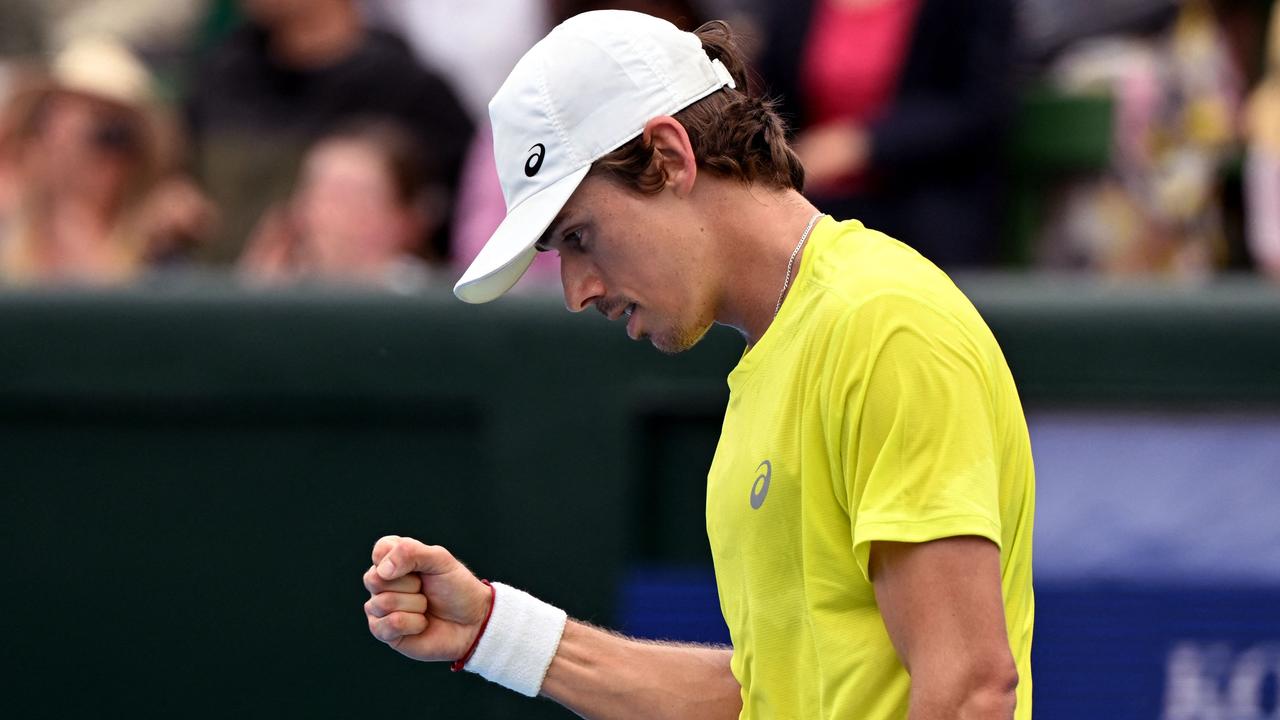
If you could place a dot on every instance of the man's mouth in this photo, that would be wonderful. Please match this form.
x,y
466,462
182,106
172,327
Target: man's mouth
x,y
617,312
633,331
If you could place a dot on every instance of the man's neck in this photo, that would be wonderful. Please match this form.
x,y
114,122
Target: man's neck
x,y
763,230
322,36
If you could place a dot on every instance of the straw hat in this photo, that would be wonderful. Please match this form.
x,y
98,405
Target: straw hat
x,y
105,69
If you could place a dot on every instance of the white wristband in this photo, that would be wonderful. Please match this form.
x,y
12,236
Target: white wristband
x,y
518,644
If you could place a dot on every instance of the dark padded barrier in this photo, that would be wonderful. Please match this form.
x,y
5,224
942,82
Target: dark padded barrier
x,y
193,477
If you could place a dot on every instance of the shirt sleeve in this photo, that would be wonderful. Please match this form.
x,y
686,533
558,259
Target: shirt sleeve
x,y
917,427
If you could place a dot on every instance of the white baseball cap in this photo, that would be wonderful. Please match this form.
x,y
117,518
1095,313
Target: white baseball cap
x,y
583,91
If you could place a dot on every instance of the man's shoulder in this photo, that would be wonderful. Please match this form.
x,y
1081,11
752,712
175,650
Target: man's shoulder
x,y
855,266
866,288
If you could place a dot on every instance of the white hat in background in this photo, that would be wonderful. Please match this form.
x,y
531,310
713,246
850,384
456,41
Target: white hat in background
x,y
583,91
104,69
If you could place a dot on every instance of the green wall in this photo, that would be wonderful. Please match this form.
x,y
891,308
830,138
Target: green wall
x,y
194,477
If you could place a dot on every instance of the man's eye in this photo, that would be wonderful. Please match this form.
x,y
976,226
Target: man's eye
x,y
573,240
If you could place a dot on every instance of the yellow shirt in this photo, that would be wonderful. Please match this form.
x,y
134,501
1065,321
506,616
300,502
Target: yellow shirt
x,y
877,406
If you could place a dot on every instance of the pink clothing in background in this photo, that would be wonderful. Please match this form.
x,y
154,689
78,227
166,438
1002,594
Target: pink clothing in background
x,y
853,58
480,209
1262,203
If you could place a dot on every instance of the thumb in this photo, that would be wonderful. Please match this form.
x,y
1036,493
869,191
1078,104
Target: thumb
x,y
383,546
409,555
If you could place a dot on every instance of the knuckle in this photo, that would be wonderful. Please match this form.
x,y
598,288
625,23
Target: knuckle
x,y
405,582
410,546
384,631
412,624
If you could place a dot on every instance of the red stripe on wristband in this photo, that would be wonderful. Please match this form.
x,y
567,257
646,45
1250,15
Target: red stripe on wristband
x,y
493,600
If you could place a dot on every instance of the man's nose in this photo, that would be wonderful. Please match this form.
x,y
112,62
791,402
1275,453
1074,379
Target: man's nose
x,y
582,284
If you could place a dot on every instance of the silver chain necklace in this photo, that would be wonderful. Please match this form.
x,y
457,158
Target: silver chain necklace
x,y
791,263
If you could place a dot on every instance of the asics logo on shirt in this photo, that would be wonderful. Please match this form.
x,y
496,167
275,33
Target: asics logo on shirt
x,y
760,488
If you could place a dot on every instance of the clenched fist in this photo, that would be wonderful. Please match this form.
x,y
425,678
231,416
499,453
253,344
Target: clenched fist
x,y
423,602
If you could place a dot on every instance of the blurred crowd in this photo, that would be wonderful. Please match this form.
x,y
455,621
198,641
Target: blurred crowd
x,y
346,141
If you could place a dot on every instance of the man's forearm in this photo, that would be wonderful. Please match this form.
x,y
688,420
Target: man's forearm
x,y
603,676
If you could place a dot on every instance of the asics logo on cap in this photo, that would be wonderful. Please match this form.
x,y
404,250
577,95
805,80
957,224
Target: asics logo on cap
x,y
534,163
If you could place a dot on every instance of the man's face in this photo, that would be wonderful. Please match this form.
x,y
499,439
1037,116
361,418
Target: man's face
x,y
643,258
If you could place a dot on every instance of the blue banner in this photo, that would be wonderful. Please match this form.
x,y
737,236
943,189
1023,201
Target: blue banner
x,y
1110,652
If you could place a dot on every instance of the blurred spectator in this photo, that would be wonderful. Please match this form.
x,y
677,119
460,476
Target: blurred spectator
x,y
83,152
1046,27
746,17
159,31
1262,161
359,214
898,108
684,14
1177,97
299,69
11,117
148,26
21,45
475,49
22,32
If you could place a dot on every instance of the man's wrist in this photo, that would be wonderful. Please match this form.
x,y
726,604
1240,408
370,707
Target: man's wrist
x,y
484,601
487,603
517,645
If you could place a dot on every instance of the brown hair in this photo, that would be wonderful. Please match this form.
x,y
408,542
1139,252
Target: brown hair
x,y
735,133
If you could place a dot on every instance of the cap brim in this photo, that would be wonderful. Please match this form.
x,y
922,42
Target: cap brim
x,y
510,250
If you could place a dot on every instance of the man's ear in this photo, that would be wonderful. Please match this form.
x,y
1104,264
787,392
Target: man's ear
x,y
674,153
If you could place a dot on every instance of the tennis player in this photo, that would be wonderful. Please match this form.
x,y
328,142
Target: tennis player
x,y
871,499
